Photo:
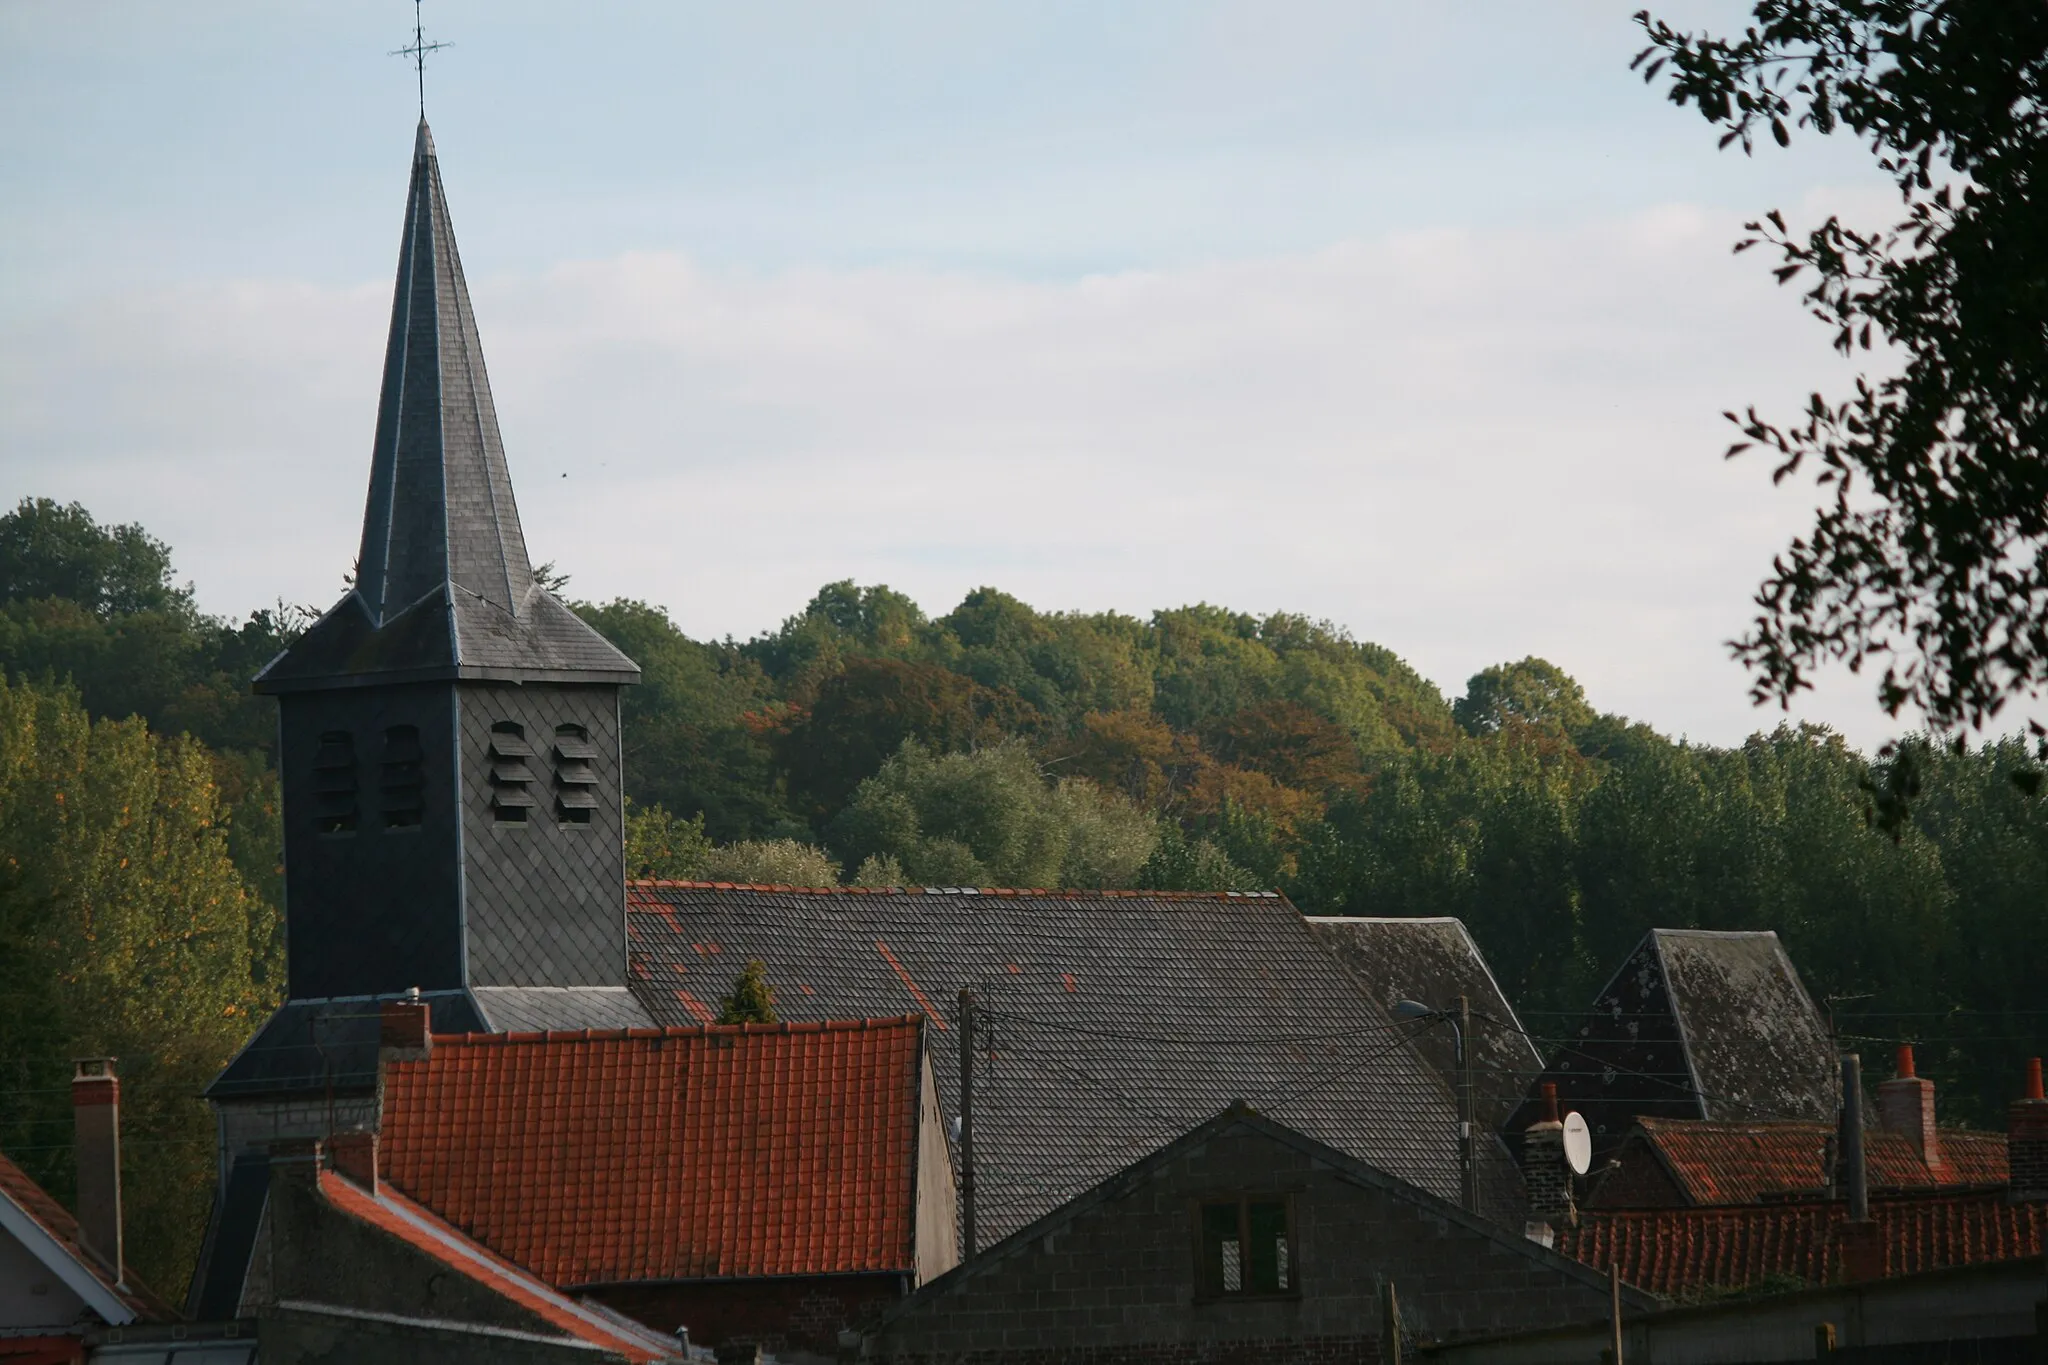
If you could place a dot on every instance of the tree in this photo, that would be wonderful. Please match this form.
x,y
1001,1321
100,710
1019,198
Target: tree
x,y
47,550
1930,553
1534,692
124,931
752,1000
991,818
865,712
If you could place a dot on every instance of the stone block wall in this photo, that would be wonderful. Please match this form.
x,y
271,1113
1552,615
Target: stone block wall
x,y
1117,1283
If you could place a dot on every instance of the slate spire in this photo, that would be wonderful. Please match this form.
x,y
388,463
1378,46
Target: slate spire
x,y
443,585
441,508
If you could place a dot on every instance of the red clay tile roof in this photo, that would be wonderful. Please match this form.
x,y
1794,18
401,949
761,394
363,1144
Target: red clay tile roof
x,y
1677,1251
679,1153
1742,1163
402,1218
33,1200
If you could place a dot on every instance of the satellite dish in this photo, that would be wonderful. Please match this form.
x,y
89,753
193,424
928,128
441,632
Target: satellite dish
x,y
1578,1143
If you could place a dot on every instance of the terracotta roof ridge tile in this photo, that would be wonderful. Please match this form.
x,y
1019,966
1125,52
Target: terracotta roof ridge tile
x,y
1039,892
615,1035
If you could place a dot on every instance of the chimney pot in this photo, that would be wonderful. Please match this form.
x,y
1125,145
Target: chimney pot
x,y
406,1027
1905,1105
1544,1172
2026,1141
96,1119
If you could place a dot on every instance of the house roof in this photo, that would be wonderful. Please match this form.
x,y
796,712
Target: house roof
x,y
51,1234
1696,1024
1023,1241
421,1229
443,586
1435,961
680,1153
1120,1019
1680,1251
1712,1162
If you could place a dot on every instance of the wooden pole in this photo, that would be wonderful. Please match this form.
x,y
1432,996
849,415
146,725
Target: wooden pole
x,y
966,1125
1614,1305
1390,1325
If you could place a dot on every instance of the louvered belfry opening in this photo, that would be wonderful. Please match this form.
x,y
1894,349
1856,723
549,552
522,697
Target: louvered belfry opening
x,y
575,775
334,783
512,800
403,778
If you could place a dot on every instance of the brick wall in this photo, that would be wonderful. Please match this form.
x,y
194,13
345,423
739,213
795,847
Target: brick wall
x,y
1116,1283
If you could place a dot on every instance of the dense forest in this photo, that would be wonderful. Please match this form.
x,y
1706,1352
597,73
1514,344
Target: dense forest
x,y
865,741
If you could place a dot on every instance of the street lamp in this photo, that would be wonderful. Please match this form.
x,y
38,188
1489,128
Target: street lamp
x,y
1460,1020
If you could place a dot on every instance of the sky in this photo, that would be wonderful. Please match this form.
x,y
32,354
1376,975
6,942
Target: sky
x,y
1418,318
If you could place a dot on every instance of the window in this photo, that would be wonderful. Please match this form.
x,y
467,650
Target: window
x,y
511,778
403,782
1245,1246
575,778
334,784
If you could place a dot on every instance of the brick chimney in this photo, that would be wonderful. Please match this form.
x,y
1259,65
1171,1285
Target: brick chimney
x,y
406,1028
1548,1178
1905,1105
96,1116
355,1157
2026,1141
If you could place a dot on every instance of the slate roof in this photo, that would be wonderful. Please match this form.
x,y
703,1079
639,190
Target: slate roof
x,y
305,1043
1434,961
1711,1162
665,1154
1120,1019
1698,1024
443,586
393,1213
1679,1251
31,1210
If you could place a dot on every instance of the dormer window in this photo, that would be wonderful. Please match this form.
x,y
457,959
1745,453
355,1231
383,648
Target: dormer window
x,y
402,784
575,775
512,800
334,784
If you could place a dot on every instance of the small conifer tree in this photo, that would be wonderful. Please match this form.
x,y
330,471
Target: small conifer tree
x,y
752,1000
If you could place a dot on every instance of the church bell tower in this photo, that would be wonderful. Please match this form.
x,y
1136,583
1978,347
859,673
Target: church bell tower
x,y
449,731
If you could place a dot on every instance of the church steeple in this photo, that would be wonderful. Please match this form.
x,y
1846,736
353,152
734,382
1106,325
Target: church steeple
x,y
443,586
441,508
449,744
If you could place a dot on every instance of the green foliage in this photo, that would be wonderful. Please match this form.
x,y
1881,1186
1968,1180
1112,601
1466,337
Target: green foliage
x,y
124,931
772,862
47,550
752,1000
693,728
1930,553
991,818
663,846
1534,692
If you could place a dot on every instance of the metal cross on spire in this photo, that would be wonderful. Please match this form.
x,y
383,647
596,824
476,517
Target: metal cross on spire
x,y
418,52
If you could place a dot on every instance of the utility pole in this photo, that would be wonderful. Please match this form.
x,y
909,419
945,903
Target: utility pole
x,y
1614,1305
966,1125
1468,1175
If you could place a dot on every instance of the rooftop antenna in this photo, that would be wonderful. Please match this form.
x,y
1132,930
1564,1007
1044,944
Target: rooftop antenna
x,y
418,52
